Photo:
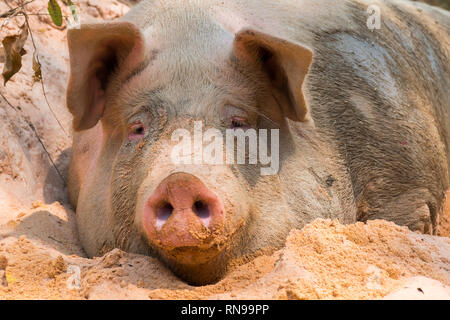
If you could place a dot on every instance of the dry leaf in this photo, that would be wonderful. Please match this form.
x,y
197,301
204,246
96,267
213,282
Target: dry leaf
x,y
36,68
13,48
2,55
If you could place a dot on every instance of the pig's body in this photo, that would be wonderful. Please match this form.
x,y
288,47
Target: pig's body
x,y
374,143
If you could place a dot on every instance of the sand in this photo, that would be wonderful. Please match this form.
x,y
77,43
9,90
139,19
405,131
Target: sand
x,y
40,254
41,259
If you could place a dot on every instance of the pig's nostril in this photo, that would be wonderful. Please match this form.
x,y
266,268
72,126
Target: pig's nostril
x,y
163,213
201,209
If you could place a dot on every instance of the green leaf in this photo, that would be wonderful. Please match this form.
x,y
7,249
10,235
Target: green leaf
x,y
55,12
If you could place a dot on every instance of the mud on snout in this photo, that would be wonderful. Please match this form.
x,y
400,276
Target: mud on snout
x,y
192,216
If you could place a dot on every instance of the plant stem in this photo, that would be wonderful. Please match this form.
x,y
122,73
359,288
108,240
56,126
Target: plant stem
x,y
37,60
37,136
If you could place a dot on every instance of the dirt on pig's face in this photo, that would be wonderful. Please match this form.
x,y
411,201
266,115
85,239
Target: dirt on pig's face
x,y
194,216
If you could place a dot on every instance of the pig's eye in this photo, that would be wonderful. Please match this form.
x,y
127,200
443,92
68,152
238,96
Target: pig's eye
x,y
136,131
239,123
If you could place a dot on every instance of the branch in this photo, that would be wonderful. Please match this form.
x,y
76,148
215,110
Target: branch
x,y
37,136
11,11
37,60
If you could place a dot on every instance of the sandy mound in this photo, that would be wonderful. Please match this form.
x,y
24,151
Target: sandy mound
x,y
40,256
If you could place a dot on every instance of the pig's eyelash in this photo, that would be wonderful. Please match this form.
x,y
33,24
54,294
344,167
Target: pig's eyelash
x,y
237,123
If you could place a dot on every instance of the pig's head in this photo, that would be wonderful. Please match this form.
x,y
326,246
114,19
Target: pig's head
x,y
141,86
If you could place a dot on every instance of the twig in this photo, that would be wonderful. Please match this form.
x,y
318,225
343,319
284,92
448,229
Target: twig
x,y
46,151
50,237
7,101
37,60
40,14
37,136
11,11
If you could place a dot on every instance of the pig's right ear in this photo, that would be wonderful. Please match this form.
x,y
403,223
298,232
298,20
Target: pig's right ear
x,y
97,51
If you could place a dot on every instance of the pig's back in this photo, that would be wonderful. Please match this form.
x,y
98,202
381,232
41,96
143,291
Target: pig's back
x,y
383,97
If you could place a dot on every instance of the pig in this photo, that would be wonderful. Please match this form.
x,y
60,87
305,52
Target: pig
x,y
362,111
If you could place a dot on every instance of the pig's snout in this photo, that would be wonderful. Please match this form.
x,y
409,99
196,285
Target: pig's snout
x,y
183,212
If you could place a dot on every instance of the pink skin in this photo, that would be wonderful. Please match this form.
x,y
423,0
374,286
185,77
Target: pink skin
x,y
183,212
136,131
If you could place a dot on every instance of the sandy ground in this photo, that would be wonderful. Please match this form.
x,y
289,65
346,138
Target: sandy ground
x,y
40,256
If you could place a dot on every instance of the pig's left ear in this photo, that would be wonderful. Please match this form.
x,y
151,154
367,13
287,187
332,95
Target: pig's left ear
x,y
285,63
98,52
